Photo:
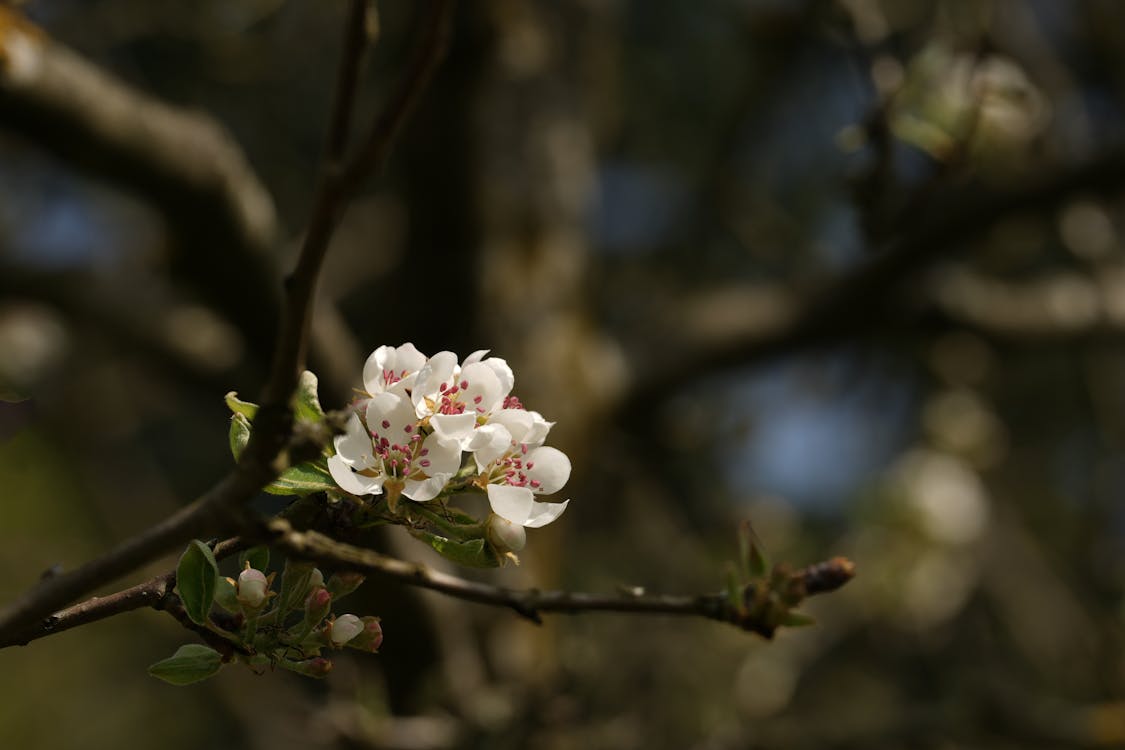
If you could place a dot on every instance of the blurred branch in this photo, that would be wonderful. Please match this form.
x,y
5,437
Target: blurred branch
x,y
182,162
531,603
268,451
860,299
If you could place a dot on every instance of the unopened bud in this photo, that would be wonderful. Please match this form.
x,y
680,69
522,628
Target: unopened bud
x,y
317,605
504,535
370,638
316,667
252,588
344,628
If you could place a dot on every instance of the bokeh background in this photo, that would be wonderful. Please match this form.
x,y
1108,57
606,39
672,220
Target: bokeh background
x,y
850,269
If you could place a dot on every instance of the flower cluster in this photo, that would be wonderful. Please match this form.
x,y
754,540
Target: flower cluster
x,y
424,421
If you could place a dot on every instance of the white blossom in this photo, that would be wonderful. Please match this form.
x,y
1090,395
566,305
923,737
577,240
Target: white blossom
x,y
391,369
392,451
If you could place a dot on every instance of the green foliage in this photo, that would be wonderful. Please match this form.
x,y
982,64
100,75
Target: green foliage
x,y
192,662
303,479
258,557
196,580
476,553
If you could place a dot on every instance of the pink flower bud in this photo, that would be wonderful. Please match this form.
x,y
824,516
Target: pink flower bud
x,y
317,605
504,535
316,667
371,638
252,588
344,628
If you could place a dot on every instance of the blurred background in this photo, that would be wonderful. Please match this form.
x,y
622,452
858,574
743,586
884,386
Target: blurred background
x,y
850,269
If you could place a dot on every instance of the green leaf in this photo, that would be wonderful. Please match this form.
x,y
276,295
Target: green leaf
x,y
190,663
294,585
239,435
476,553
752,557
734,589
226,596
449,522
196,580
796,620
306,405
303,479
258,557
238,406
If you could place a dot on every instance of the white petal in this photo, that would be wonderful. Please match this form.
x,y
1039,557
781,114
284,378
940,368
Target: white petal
x,y
482,391
354,447
454,426
443,456
550,467
349,481
542,514
537,435
424,490
438,369
488,443
476,356
512,503
517,421
374,368
503,373
390,416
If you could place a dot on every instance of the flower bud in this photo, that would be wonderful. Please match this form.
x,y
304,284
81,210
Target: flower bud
x,y
504,535
344,628
252,588
370,638
316,667
317,605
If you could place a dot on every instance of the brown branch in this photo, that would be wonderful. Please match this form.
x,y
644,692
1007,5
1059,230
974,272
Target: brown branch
x,y
531,603
222,507
151,593
182,162
859,300
338,185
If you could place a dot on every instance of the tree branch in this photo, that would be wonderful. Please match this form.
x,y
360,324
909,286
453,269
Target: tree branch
x,y
860,298
531,603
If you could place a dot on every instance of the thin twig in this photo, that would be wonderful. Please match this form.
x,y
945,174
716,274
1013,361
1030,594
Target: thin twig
x,y
531,603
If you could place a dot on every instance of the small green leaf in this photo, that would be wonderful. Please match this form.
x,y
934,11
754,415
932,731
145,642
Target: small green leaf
x,y
449,522
190,663
476,553
258,557
796,620
303,479
196,579
306,405
239,435
295,580
734,589
226,596
752,558
238,406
